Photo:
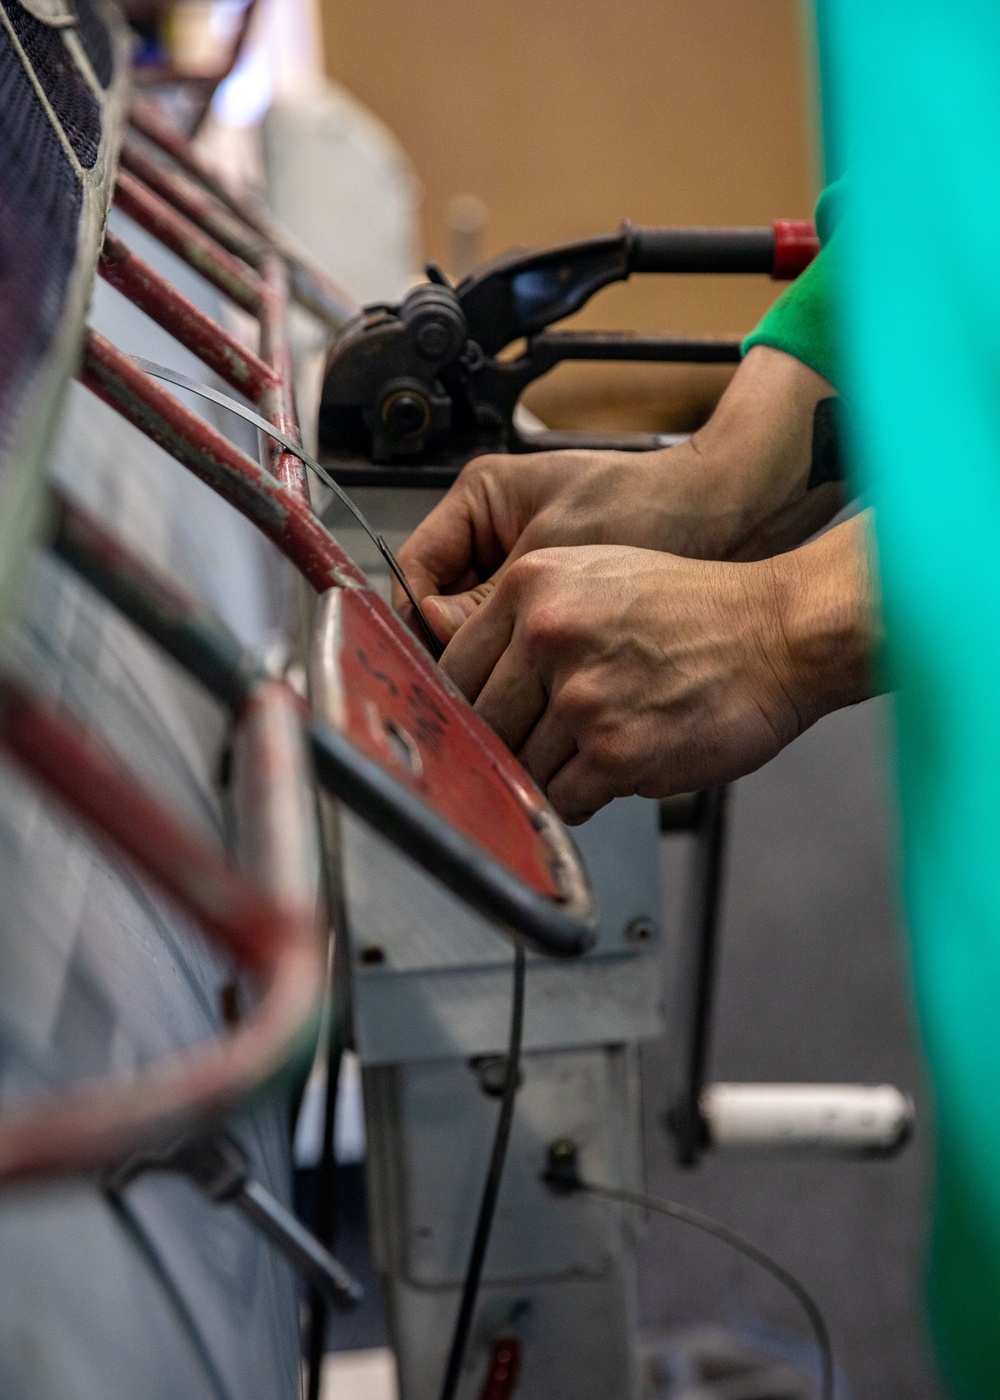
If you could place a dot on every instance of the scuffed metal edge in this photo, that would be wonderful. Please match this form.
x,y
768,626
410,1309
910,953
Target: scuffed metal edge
x,y
555,928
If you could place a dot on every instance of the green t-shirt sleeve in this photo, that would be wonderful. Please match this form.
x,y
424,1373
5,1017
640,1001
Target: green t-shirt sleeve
x,y
801,321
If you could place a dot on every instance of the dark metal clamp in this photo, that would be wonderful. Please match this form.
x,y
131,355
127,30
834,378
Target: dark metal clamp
x,y
425,384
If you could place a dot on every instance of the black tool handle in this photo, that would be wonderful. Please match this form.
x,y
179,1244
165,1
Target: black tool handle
x,y
702,250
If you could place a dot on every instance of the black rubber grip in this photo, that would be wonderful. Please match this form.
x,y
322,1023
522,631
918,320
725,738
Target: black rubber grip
x,y
702,250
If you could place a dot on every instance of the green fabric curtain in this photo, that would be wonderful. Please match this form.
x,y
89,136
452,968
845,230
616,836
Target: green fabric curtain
x,y
912,93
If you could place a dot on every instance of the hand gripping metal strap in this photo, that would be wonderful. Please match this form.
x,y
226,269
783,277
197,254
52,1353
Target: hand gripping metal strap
x,y
399,744
205,647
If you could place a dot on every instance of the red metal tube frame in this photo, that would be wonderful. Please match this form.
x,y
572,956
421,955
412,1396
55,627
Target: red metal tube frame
x,y
265,295
282,515
403,675
195,203
278,403
204,253
202,644
156,128
169,308
288,520
267,923
312,287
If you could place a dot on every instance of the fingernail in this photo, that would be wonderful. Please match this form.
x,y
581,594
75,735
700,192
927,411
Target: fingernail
x,y
452,613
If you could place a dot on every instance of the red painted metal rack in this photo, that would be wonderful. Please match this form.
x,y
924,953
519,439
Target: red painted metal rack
x,y
394,740
265,921
440,783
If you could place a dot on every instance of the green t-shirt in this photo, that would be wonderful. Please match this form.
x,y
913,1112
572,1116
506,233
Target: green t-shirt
x,y
801,321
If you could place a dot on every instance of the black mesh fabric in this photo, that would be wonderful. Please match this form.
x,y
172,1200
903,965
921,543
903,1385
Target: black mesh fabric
x,y
65,86
40,205
96,41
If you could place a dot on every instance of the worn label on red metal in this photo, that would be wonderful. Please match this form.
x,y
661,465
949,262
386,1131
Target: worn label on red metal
x,y
401,711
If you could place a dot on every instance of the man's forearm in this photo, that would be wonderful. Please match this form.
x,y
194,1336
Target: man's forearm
x,y
828,607
752,460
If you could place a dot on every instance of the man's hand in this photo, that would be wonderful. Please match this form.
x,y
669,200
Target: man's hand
x,y
502,507
613,670
736,489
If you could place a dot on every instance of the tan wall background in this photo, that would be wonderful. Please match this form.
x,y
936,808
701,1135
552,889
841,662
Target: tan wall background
x,y
565,116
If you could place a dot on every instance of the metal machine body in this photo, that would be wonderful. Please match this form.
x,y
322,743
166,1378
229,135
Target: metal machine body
x,y
410,392
431,1007
431,996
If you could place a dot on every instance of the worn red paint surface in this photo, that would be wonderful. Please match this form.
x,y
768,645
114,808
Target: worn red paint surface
x,y
280,513
169,308
278,403
145,117
396,706
207,256
311,285
194,202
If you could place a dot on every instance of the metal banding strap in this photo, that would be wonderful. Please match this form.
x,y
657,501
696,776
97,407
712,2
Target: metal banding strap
x,y
183,381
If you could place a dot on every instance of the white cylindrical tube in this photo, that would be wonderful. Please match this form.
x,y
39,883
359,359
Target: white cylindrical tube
x,y
836,1119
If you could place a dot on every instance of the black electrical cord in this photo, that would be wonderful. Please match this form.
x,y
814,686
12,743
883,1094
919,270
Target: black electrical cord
x,y
325,1215
568,1181
491,1187
324,1221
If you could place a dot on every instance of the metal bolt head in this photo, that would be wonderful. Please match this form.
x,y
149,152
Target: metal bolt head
x,y
561,1168
433,339
406,414
640,930
491,1072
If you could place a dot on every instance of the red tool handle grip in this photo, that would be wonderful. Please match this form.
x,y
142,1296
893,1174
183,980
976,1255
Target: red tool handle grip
x,y
795,246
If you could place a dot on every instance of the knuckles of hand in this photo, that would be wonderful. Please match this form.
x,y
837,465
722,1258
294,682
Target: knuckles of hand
x,y
655,672
645,662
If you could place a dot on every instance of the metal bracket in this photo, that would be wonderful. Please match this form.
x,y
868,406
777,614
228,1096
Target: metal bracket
x,y
218,1166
